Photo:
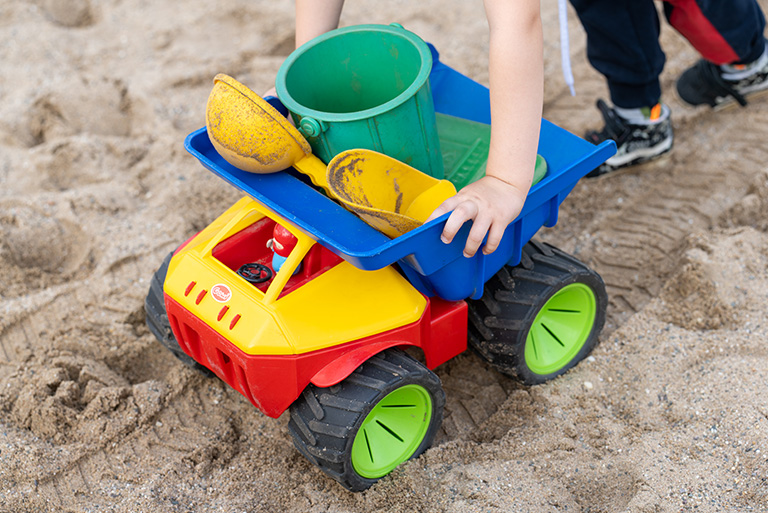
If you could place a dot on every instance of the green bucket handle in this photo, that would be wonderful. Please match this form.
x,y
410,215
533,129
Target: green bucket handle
x,y
310,127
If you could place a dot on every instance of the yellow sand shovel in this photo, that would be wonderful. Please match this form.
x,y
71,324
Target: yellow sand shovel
x,y
391,196
253,136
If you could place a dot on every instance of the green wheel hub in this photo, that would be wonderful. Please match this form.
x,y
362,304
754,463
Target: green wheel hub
x,y
392,431
560,329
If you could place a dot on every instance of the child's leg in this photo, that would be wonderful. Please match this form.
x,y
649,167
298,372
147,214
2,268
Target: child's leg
x,y
729,35
722,31
623,45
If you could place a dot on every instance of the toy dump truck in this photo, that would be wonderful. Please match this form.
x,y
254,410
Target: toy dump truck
x,y
324,336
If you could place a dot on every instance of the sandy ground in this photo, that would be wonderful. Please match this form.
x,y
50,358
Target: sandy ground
x,y
669,414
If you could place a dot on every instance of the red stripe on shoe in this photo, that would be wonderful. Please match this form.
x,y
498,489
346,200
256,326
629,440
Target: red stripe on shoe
x,y
688,19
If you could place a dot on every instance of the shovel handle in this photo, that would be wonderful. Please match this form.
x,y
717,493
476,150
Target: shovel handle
x,y
315,169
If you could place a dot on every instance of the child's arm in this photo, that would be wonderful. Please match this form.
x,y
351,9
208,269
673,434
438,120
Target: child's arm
x,y
316,17
517,83
516,73
313,18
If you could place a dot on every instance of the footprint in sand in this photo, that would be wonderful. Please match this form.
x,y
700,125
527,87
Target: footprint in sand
x,y
38,250
69,13
98,106
76,396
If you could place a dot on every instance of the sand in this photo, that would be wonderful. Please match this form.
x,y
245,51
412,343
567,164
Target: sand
x,y
669,413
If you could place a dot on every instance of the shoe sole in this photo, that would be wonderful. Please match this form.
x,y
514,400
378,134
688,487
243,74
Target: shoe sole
x,y
731,103
728,103
619,170
638,157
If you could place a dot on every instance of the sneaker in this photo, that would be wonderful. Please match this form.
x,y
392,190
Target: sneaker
x,y
707,84
635,142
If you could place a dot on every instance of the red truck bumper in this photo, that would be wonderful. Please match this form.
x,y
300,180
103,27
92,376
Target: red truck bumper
x,y
272,383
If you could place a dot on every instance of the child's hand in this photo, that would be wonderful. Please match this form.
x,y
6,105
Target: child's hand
x,y
491,203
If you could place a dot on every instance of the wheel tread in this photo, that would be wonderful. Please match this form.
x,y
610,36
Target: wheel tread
x,y
499,321
328,442
366,381
314,404
505,296
298,421
341,403
324,428
390,367
504,324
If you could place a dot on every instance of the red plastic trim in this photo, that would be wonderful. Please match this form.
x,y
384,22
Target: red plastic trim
x,y
272,383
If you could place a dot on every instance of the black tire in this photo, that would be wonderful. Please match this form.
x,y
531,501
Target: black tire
x,y
157,318
326,421
499,322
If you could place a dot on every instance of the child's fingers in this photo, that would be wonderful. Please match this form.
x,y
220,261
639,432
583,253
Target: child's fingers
x,y
495,233
463,212
476,235
445,206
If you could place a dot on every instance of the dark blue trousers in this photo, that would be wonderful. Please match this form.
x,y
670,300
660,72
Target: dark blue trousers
x,y
623,39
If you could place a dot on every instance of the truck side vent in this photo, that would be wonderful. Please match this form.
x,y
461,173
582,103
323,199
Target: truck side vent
x,y
190,341
225,363
243,381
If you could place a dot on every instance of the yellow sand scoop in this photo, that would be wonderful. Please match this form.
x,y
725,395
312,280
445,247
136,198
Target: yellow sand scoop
x,y
253,136
391,196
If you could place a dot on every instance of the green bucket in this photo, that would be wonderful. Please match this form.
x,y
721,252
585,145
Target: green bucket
x,y
365,86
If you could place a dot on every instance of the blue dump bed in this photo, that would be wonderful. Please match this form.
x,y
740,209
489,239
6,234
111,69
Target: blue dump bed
x,y
432,267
